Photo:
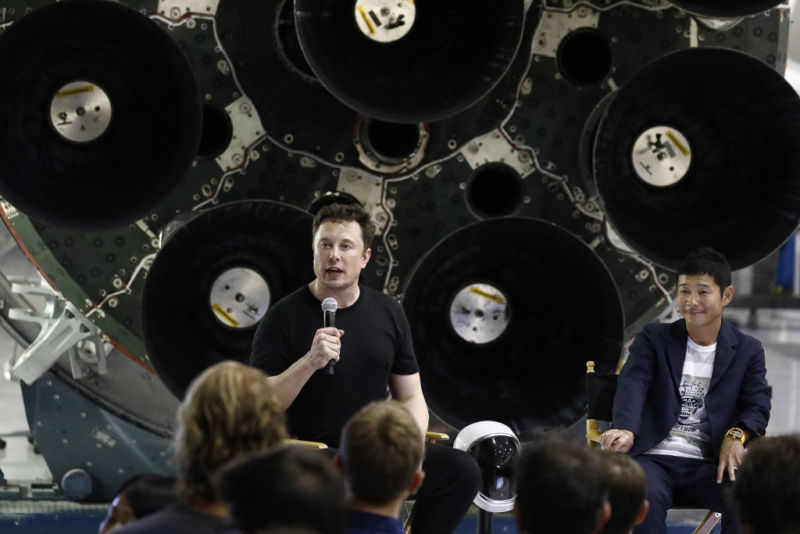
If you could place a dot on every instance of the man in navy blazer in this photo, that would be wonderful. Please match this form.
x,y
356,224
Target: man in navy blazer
x,y
690,396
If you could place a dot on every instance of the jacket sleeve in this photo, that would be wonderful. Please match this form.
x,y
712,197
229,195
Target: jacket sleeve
x,y
634,382
753,403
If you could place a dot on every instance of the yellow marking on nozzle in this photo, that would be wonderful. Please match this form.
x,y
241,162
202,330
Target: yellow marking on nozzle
x,y
497,298
366,19
217,308
678,144
76,91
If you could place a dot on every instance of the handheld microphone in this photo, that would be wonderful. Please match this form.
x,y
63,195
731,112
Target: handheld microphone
x,y
329,306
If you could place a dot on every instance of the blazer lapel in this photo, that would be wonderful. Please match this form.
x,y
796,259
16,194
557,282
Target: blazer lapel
x,y
676,352
726,345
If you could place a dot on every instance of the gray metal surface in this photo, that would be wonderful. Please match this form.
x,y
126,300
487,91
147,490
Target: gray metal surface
x,y
74,432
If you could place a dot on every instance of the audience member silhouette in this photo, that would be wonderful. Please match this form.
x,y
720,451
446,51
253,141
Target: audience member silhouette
x,y
229,410
138,497
290,486
627,492
767,492
381,457
561,487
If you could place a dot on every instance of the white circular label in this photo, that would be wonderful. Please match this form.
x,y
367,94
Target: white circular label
x,y
80,111
479,313
385,21
239,298
661,156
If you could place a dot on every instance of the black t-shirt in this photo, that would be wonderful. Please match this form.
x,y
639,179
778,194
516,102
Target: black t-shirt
x,y
376,344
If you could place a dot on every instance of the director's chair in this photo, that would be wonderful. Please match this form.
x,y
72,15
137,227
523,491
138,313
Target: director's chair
x,y
600,390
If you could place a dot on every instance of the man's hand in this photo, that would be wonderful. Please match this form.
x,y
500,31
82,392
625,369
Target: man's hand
x,y
617,439
325,347
730,458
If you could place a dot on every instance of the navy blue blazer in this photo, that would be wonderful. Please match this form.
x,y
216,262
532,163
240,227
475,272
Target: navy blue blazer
x,y
648,403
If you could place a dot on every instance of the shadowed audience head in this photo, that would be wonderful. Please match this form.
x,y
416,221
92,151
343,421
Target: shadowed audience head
x,y
560,487
229,410
381,453
289,486
627,492
138,497
767,492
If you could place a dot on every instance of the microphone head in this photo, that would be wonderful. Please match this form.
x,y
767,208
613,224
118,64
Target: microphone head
x,y
329,304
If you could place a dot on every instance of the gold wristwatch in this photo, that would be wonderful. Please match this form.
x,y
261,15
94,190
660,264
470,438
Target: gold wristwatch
x,y
736,433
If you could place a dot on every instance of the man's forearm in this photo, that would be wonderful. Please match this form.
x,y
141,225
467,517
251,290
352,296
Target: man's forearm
x,y
419,409
288,384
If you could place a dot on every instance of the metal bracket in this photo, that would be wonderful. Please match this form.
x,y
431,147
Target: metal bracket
x,y
63,329
177,8
368,189
555,25
247,129
494,147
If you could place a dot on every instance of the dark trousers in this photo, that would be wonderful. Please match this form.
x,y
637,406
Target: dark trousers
x,y
452,479
676,482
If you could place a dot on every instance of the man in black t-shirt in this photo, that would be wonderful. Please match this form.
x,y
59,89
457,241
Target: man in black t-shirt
x,y
374,356
377,345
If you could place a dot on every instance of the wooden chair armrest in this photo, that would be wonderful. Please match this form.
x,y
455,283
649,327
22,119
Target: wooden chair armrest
x,y
433,437
592,433
708,523
315,444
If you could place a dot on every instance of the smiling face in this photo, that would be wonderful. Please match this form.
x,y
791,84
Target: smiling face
x,y
339,255
701,300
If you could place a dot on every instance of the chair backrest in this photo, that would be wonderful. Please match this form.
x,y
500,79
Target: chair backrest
x,y
600,390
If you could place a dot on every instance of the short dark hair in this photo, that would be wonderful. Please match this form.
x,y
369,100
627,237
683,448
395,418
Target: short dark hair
x,y
708,261
382,449
285,486
627,491
345,213
766,492
560,485
149,493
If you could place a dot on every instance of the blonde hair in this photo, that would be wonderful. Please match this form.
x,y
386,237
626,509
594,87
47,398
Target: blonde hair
x,y
228,410
382,448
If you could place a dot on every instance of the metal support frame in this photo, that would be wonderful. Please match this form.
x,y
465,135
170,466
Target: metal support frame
x,y
64,329
484,521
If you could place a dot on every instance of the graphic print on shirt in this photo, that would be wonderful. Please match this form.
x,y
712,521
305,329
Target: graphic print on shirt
x,y
690,436
693,395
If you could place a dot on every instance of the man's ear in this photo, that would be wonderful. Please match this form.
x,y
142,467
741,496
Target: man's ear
x,y
727,295
605,515
365,258
337,461
642,512
416,481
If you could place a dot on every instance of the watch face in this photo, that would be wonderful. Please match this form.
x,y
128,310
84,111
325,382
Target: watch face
x,y
736,433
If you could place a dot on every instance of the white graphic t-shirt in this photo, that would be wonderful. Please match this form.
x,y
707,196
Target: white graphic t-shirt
x,y
691,436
